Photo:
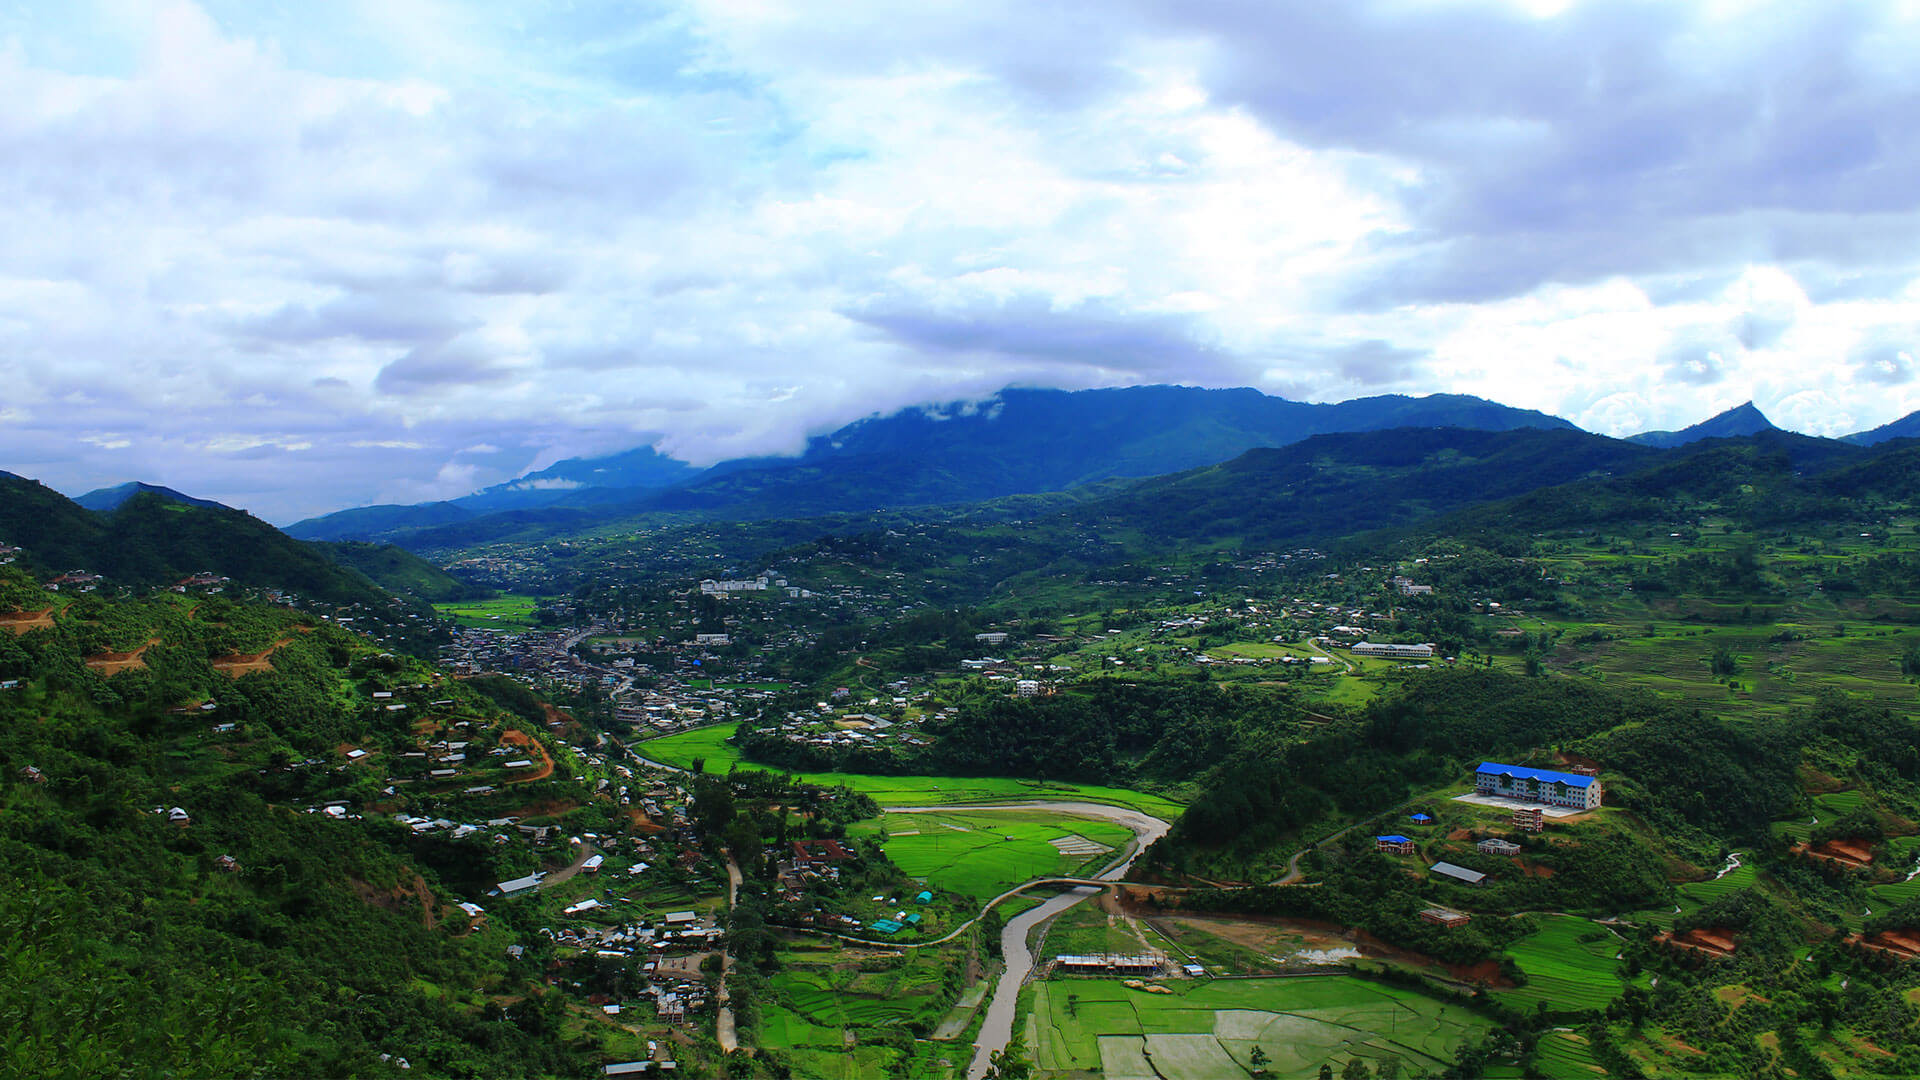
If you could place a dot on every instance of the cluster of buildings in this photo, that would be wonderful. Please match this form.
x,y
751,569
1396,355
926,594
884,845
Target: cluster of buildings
x,y
762,583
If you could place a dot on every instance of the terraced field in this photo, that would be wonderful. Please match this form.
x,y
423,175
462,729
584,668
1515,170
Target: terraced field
x,y
1565,1055
1208,1029
1569,965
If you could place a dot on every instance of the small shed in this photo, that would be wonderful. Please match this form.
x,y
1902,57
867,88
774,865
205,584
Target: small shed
x,y
1458,873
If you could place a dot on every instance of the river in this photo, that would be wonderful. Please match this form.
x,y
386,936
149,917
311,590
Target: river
x,y
997,1030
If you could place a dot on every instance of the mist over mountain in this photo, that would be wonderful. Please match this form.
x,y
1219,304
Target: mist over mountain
x,y
1019,441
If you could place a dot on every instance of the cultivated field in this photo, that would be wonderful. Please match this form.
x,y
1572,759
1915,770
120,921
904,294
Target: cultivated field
x,y
709,743
1208,1029
1569,965
982,854
500,613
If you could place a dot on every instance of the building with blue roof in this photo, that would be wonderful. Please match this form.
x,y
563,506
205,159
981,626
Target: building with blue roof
x,y
1398,845
886,926
1537,785
923,898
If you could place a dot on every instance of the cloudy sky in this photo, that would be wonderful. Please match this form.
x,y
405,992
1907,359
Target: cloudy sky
x,y
298,256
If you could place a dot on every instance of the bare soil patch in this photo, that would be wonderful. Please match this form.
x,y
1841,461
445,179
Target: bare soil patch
x,y
22,621
1850,853
516,737
1486,971
113,663
1712,941
1902,945
241,663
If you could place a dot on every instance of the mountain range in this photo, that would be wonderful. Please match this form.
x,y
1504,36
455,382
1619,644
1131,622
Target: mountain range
x,y
1021,441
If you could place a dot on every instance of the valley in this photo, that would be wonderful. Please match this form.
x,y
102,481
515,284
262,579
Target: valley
x,y
827,796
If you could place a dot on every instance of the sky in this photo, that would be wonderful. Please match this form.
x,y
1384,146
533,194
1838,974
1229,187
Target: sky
x,y
300,256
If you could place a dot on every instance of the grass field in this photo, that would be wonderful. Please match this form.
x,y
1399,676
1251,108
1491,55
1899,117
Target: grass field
x,y
1569,965
500,613
982,854
1208,1029
710,744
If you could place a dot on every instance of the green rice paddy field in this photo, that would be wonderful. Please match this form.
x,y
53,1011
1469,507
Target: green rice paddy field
x,y
710,744
499,613
1208,1029
1569,965
984,853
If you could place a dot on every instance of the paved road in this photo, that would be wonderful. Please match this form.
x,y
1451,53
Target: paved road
x,y
587,851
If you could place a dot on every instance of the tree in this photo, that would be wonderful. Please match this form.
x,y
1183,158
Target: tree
x,y
1258,1059
1326,1071
1356,1070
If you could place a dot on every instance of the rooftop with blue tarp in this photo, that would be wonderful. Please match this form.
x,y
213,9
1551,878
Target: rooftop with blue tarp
x,y
1542,776
886,926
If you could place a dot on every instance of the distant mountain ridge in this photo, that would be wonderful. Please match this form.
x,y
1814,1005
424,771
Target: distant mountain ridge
x,y
1743,419
1907,427
1021,441
107,500
152,536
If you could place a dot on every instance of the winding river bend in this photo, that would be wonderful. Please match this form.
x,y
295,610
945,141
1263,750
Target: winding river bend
x,y
997,1030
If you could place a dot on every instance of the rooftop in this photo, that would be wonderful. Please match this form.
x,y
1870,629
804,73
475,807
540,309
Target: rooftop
x,y
1490,768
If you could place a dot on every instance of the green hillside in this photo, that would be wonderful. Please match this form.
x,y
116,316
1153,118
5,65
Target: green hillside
x,y
327,947
400,571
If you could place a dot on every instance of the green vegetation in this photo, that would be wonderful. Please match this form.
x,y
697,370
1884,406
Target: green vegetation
x,y
498,613
1210,1028
982,854
709,745
400,571
1568,965
127,947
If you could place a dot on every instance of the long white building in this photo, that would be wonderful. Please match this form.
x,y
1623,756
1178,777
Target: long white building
x,y
1537,785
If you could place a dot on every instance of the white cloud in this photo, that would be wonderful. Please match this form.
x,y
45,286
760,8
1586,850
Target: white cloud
x,y
302,262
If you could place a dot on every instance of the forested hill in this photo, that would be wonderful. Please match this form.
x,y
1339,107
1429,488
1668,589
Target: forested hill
x,y
255,935
400,571
1768,480
1336,485
152,540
